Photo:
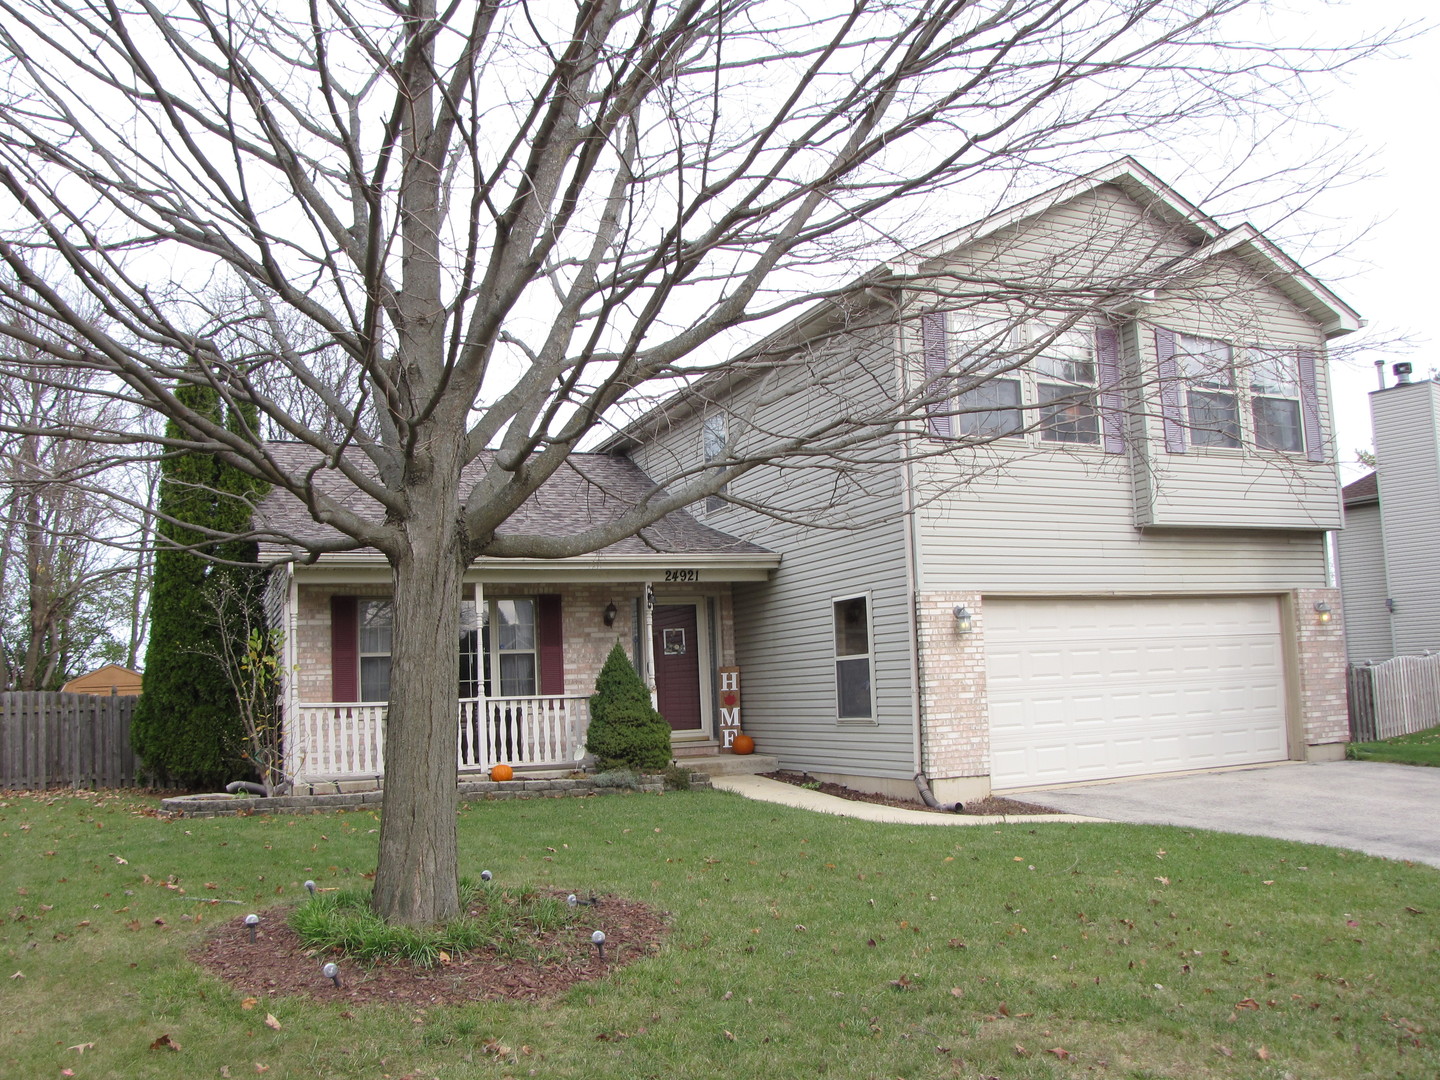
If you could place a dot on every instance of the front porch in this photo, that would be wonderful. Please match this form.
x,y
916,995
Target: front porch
x,y
339,741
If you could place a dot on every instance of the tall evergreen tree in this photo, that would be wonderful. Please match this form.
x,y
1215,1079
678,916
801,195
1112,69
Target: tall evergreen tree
x,y
187,727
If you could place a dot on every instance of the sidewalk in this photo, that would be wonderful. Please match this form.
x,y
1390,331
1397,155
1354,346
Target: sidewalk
x,y
764,789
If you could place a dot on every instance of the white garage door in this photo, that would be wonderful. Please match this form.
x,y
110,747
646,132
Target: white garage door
x,y
1088,689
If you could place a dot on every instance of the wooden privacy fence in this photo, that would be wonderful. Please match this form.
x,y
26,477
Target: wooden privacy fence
x,y
81,740
1394,697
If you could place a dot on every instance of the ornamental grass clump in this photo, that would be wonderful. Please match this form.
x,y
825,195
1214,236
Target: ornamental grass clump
x,y
625,730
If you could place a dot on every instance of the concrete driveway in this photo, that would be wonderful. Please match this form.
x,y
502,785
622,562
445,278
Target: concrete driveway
x,y
1380,809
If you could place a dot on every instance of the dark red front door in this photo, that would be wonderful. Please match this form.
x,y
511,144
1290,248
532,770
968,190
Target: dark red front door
x,y
677,665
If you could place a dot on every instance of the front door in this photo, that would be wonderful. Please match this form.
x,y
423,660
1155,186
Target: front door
x,y
676,648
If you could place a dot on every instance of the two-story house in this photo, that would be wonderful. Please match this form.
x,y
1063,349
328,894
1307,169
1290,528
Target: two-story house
x,y
1103,553
1099,549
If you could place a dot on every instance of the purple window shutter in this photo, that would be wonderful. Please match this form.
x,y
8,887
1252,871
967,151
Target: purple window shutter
x,y
937,361
1112,397
344,649
1172,417
1310,405
552,644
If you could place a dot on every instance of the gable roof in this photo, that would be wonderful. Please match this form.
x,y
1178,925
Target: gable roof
x,y
1334,316
588,490
1362,491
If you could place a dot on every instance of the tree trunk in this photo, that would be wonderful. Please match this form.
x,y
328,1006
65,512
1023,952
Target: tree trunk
x,y
417,879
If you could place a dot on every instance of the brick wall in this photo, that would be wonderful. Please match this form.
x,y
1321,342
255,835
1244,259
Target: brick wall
x,y
1321,651
954,724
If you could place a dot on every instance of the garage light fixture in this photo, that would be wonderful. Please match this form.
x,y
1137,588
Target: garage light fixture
x,y
964,621
1322,612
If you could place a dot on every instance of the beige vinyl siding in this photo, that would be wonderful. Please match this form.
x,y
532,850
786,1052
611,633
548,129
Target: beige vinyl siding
x,y
1407,447
1362,586
1212,487
1052,522
784,639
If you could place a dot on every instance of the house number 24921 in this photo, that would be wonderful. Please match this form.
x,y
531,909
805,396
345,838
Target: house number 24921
x,y
682,575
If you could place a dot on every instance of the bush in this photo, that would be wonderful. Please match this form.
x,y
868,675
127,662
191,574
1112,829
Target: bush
x,y
625,729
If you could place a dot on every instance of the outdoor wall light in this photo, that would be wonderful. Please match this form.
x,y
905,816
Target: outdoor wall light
x,y
964,620
610,612
1322,612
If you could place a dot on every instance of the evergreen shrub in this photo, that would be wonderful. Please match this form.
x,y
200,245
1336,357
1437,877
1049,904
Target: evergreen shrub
x,y
625,730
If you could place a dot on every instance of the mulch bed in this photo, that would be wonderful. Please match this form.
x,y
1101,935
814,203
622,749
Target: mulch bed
x,y
978,807
278,965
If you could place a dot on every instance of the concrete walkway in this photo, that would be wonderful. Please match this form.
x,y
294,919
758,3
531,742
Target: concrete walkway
x,y
766,790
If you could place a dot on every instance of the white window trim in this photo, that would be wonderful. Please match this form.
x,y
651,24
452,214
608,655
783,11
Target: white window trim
x,y
869,657
1243,357
1020,337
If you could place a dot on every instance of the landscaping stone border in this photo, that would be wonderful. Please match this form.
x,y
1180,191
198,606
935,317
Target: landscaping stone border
x,y
221,805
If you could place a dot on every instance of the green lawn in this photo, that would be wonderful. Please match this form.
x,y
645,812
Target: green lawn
x,y
1417,748
803,946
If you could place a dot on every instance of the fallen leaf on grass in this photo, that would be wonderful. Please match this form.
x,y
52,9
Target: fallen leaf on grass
x,y
729,1036
271,1022
1263,1054
1060,1052
1020,1051
164,1042
81,1047
18,975
261,1068
1247,1003
1224,1051
955,991
249,1003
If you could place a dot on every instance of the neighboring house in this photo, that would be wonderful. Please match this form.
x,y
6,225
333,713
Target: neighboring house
x,y
534,633
110,679
1105,560
1389,573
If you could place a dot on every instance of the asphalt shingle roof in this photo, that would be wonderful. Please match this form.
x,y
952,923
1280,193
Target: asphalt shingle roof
x,y
589,489
1366,489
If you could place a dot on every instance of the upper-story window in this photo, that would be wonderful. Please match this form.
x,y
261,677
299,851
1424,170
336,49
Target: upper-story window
x,y
714,434
1040,377
1212,407
1215,394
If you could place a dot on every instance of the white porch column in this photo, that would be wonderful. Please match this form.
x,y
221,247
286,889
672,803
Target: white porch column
x,y
647,639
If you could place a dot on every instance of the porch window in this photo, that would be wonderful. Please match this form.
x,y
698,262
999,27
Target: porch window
x,y
510,646
853,691
715,434
377,622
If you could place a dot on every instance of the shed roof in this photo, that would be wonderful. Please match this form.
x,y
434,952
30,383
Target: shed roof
x,y
1364,490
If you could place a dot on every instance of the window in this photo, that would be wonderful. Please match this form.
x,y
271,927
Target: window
x,y
377,621
1275,403
1214,394
1065,386
1211,406
714,435
1058,383
853,691
509,645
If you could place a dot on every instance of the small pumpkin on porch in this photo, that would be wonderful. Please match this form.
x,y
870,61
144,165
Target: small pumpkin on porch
x,y
743,744
501,772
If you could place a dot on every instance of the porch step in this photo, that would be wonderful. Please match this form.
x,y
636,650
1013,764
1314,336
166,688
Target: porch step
x,y
694,748
731,764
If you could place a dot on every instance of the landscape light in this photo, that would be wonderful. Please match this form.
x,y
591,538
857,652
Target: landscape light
x,y
598,940
332,972
252,921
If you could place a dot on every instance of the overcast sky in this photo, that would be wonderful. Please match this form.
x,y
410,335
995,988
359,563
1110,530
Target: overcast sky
x,y
1390,273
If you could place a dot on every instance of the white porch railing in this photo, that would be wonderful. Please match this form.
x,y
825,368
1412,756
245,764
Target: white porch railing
x,y
334,740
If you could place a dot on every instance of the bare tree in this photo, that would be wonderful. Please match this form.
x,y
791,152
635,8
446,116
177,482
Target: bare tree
x,y
407,234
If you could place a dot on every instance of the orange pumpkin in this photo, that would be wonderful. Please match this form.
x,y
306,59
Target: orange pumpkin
x,y
743,744
501,772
